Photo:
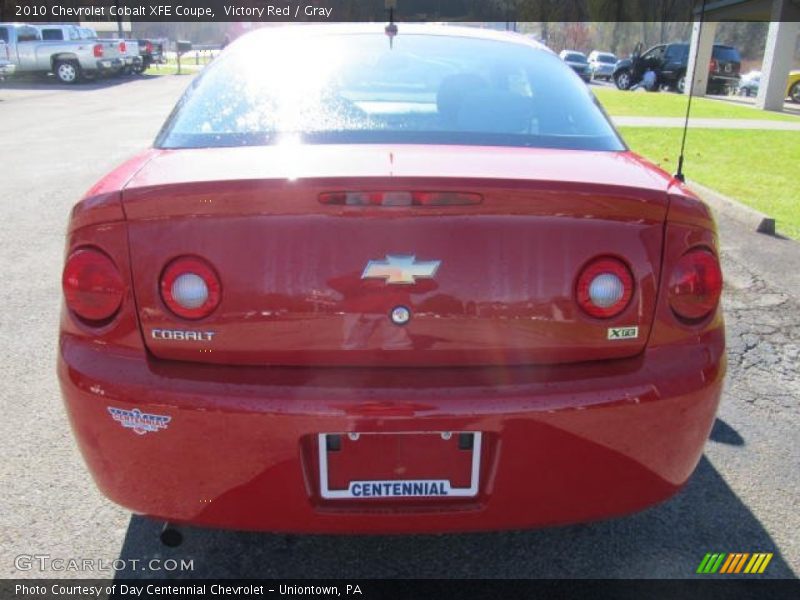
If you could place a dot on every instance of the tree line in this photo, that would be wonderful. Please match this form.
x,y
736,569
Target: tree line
x,y
617,37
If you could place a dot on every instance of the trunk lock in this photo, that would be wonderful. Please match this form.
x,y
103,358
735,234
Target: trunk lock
x,y
400,315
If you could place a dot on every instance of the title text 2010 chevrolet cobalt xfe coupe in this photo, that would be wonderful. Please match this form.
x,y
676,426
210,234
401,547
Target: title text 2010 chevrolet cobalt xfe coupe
x,y
371,288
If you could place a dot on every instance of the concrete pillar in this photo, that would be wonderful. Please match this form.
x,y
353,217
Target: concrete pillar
x,y
778,58
700,54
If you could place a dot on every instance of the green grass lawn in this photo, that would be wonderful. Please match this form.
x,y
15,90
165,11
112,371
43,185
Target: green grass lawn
x,y
758,168
171,69
666,104
191,59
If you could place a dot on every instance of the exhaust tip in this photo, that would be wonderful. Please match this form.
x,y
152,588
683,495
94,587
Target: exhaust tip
x,y
170,536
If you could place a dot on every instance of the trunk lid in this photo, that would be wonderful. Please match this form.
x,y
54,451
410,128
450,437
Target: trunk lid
x,y
291,268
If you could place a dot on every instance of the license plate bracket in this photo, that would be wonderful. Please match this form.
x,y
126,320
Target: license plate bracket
x,y
421,465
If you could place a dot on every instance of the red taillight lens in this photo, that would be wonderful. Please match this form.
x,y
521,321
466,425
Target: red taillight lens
x,y
122,47
190,287
92,284
400,198
695,284
605,287
98,50
148,48
712,65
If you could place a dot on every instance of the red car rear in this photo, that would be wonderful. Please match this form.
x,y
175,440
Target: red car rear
x,y
390,288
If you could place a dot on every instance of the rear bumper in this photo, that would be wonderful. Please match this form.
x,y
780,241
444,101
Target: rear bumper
x,y
602,71
584,73
724,80
561,444
110,65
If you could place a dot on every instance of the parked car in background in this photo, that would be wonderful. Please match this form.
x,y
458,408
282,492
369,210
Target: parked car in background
x,y
69,59
748,84
793,86
113,47
752,80
723,69
227,360
669,62
601,65
578,62
7,68
152,52
128,50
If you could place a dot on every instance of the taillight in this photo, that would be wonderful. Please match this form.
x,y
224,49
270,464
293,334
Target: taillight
x,y
695,284
122,47
400,198
605,287
190,288
92,284
712,65
148,48
98,50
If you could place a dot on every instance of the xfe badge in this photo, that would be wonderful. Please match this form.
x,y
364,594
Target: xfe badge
x,y
623,333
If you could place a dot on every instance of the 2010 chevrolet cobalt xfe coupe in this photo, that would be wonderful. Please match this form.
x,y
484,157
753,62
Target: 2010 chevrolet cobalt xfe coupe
x,y
371,283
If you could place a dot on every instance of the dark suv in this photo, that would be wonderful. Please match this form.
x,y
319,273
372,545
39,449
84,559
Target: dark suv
x,y
669,63
151,51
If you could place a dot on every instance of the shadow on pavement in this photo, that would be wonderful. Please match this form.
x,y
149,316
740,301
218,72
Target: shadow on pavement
x,y
49,82
666,541
722,433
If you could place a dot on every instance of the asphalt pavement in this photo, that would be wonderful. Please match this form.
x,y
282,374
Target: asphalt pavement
x,y
56,141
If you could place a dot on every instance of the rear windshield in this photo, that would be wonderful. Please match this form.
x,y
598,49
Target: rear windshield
x,y
355,88
606,58
726,53
52,34
575,57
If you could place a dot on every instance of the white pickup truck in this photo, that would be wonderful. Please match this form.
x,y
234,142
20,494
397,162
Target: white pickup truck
x,y
7,68
70,59
128,49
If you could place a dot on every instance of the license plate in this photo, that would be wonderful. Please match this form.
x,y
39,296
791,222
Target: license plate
x,y
370,466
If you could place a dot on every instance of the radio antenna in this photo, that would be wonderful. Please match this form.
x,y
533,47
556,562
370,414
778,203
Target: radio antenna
x,y
391,28
679,173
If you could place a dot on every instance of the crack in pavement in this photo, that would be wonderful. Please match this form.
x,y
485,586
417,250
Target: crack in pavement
x,y
763,338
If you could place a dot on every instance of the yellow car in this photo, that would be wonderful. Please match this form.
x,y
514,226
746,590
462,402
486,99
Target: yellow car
x,y
793,87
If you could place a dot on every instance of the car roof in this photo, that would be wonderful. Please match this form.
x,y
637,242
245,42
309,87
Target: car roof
x,y
437,29
715,45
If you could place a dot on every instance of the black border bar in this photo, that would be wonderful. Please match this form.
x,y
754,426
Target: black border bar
x,y
401,589
366,10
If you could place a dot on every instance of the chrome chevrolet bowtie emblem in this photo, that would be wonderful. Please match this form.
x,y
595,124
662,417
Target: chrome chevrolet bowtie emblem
x,y
400,269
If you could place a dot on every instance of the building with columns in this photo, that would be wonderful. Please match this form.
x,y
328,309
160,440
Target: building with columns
x,y
784,27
